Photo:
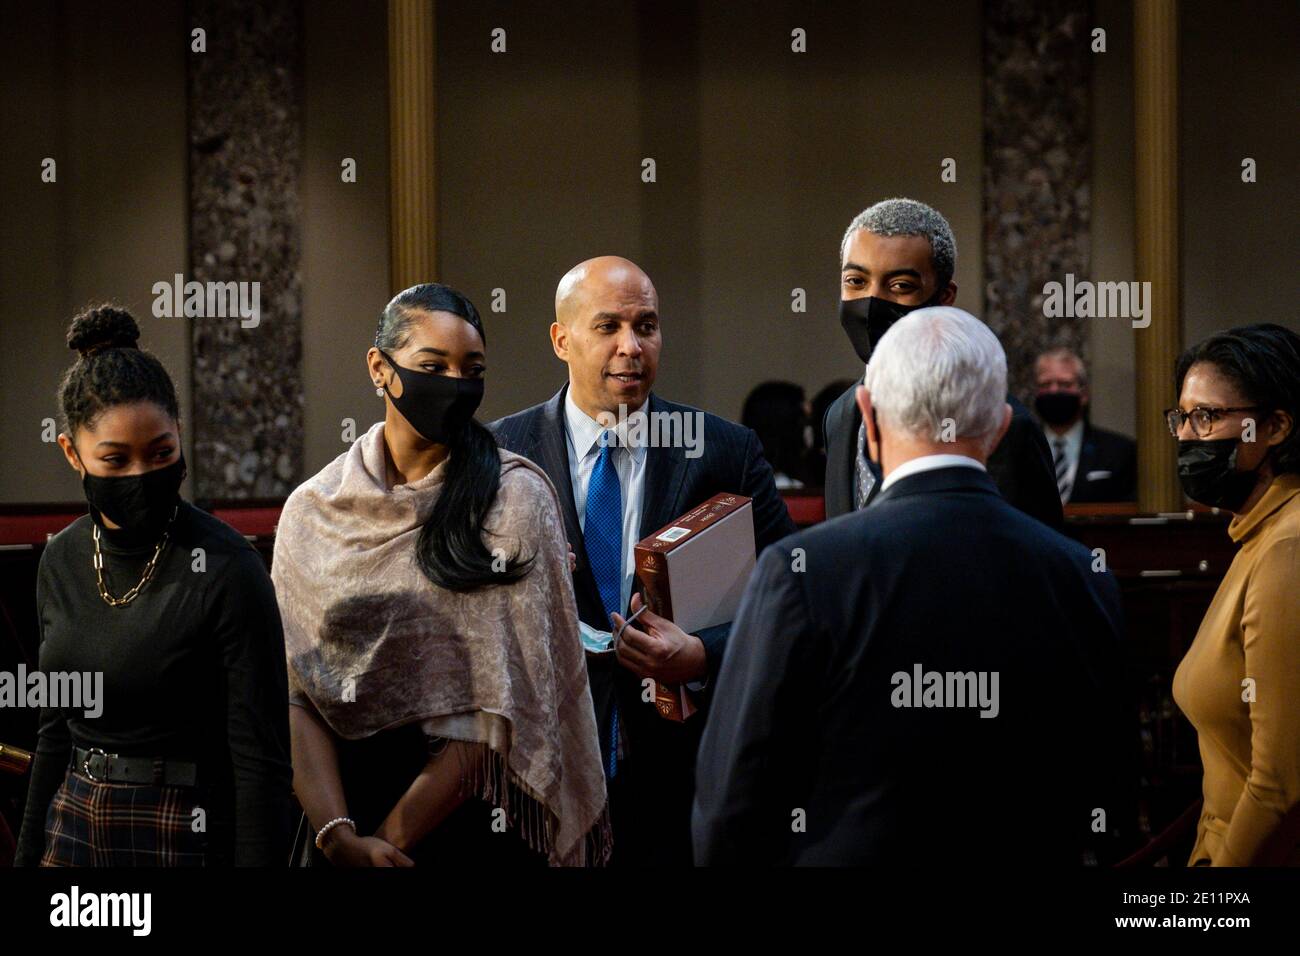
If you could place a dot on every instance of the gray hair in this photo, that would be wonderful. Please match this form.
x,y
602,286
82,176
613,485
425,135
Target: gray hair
x,y
1063,352
936,365
908,217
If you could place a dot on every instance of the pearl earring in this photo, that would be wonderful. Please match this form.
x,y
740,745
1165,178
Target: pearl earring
x,y
379,390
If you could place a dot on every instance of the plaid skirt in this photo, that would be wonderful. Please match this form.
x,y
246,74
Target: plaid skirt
x,y
121,824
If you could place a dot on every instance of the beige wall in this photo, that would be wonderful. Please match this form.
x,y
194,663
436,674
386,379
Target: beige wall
x,y
1113,248
763,157
538,168
344,225
100,88
1240,75
762,161
103,92
793,147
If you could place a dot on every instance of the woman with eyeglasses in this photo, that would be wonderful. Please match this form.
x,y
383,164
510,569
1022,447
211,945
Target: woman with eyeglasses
x,y
1239,683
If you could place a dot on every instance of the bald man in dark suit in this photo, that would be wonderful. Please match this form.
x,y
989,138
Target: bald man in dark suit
x,y
607,331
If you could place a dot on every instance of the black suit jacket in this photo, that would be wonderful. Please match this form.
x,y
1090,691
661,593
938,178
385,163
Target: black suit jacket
x,y
1021,465
807,757
660,761
1107,467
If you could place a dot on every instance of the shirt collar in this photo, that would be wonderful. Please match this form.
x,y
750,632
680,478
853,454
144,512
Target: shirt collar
x,y
584,431
929,463
1073,437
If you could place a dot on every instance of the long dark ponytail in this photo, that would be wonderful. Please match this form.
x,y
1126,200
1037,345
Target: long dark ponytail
x,y
450,549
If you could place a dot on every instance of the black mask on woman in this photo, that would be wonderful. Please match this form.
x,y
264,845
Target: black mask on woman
x,y
139,504
866,320
1208,473
437,406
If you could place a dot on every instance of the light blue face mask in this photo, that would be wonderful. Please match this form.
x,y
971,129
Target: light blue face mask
x,y
594,641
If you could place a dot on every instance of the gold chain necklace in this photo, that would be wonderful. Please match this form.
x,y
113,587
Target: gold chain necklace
x,y
130,595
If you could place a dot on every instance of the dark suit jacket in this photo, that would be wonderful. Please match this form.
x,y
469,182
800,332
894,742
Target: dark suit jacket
x,y
1021,465
660,761
808,759
1111,459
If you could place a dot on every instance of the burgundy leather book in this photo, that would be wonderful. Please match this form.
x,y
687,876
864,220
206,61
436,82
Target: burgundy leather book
x,y
693,571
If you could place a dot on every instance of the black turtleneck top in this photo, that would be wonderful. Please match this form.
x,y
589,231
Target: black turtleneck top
x,y
194,670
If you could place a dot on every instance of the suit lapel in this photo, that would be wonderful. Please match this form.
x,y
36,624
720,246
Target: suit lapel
x,y
841,453
553,455
1087,454
665,475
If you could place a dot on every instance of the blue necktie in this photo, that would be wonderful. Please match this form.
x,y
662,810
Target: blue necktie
x,y
603,535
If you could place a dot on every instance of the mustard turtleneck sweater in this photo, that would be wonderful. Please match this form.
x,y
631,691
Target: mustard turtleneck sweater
x,y
1239,685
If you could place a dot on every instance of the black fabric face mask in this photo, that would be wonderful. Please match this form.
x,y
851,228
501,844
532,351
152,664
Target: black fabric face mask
x,y
141,505
1057,408
1207,470
437,406
866,320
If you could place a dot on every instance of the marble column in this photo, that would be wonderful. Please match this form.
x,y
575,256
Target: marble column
x,y
1155,126
245,149
1037,203
411,106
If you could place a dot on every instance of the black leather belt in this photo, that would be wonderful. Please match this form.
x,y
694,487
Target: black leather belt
x,y
112,768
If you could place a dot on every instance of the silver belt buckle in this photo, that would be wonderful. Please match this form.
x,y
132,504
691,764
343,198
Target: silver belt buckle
x,y
85,763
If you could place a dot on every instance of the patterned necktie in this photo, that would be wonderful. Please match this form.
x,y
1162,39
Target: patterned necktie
x,y
603,534
864,479
1062,466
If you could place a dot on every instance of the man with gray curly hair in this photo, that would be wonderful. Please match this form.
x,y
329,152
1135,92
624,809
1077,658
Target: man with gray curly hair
x,y
907,217
896,257
941,584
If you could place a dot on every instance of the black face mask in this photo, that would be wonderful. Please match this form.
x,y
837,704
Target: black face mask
x,y
866,320
1058,408
437,406
1208,473
139,504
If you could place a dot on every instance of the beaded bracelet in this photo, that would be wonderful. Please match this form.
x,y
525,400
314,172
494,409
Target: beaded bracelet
x,y
320,834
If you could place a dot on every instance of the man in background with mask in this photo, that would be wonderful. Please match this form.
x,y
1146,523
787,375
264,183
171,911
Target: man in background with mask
x,y
1091,464
898,256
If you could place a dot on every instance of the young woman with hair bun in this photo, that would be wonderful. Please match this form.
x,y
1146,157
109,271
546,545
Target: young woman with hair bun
x,y
184,758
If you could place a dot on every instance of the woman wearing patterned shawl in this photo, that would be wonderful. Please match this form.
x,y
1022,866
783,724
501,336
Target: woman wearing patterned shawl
x,y
440,709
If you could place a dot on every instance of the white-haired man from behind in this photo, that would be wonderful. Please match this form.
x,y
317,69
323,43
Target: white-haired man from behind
x,y
935,679
941,391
